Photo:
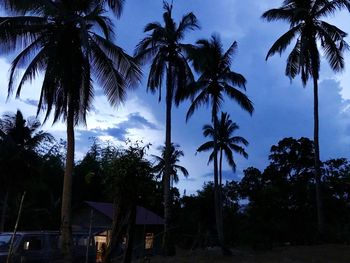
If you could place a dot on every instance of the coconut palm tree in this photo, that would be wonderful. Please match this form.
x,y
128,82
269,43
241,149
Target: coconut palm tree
x,y
71,43
19,138
163,47
175,154
310,33
226,143
23,6
215,81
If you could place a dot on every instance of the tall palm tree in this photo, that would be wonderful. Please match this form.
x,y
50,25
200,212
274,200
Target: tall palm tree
x,y
163,47
18,139
70,42
215,81
226,143
175,154
309,32
24,6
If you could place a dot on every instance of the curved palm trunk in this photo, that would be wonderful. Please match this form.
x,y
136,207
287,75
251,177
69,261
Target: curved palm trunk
x,y
319,201
217,188
66,229
168,244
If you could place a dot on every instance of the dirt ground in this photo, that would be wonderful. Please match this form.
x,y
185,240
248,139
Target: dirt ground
x,y
302,254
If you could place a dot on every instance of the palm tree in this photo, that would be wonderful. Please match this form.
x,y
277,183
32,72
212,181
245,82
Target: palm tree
x,y
216,80
70,42
226,143
163,47
18,139
175,155
24,6
309,30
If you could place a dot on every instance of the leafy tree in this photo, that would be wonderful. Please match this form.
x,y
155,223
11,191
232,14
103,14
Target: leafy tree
x,y
70,42
19,139
216,80
175,154
308,28
226,143
281,206
336,188
129,178
88,180
163,47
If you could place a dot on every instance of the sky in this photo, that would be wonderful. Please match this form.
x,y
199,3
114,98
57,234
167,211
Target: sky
x,y
282,108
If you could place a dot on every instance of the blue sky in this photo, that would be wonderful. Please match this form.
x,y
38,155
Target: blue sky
x,y
282,108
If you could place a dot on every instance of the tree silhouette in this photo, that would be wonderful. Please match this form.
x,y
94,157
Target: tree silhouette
x,y
19,139
70,42
164,49
309,30
216,80
175,154
227,143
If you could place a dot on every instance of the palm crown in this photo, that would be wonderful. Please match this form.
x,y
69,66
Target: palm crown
x,y
21,132
226,142
307,26
216,77
61,40
163,46
175,154
37,6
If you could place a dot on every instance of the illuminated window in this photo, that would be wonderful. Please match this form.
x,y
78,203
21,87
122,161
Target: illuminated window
x,y
149,239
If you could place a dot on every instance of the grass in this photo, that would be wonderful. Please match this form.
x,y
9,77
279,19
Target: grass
x,y
301,254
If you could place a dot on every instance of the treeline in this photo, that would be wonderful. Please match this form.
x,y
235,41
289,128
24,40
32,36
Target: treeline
x,y
273,207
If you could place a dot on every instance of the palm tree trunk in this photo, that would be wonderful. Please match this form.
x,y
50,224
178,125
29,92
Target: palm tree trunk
x,y
218,210
168,245
4,210
220,168
319,201
66,228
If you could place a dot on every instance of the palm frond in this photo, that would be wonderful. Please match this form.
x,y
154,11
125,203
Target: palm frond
x,y
283,42
333,53
283,13
111,80
207,146
200,100
240,98
229,157
116,6
188,22
208,130
37,64
226,59
124,64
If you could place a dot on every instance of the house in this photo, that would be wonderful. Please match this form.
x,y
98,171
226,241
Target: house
x,y
99,216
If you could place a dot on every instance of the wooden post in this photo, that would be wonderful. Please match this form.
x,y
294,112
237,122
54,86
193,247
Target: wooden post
x,y
88,243
8,260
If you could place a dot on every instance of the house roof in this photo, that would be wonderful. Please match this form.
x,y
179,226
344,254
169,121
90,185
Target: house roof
x,y
143,215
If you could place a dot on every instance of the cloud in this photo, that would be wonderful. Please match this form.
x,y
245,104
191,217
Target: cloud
x,y
117,133
135,120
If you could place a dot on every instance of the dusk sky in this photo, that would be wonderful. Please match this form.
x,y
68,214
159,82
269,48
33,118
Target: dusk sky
x,y
282,108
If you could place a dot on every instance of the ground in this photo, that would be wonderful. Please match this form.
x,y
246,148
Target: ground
x,y
302,254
